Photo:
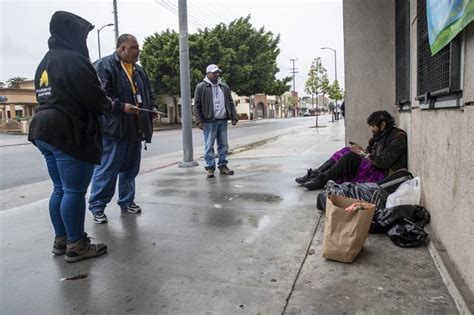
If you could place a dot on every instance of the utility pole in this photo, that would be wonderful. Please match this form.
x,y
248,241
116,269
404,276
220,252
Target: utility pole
x,y
185,86
293,72
116,21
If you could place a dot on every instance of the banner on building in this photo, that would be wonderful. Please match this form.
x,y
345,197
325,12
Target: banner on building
x,y
446,18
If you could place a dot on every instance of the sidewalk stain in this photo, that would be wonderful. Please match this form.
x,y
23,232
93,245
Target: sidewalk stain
x,y
76,277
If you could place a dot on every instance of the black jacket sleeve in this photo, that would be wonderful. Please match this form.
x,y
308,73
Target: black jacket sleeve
x,y
391,152
106,79
198,104
233,114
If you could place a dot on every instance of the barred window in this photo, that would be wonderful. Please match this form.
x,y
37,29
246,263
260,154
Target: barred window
x,y
402,54
439,76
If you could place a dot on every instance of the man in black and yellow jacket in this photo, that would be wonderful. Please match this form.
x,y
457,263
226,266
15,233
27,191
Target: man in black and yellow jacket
x,y
127,84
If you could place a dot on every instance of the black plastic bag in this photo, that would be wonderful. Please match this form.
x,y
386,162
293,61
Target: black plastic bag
x,y
407,234
385,219
403,224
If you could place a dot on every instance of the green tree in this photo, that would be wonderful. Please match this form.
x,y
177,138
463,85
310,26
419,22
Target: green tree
x,y
325,86
246,55
15,82
335,92
314,82
2,85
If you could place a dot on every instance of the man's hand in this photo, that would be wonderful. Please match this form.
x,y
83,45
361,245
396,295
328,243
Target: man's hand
x,y
130,109
200,126
155,115
356,148
234,122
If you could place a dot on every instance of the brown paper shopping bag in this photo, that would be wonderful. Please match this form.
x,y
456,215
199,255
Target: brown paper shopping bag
x,y
345,232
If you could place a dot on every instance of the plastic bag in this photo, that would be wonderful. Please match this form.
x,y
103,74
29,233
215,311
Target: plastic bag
x,y
408,193
369,192
407,235
403,224
386,218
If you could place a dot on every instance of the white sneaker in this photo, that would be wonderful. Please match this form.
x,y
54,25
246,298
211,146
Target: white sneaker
x,y
132,208
100,218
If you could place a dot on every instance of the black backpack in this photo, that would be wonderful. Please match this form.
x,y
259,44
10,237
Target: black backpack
x,y
391,182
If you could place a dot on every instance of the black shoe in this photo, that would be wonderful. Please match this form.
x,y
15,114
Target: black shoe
x,y
309,174
315,183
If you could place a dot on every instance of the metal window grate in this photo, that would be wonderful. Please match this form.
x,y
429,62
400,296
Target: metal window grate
x,y
438,74
402,51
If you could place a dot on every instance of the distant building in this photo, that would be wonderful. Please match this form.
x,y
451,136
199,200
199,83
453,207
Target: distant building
x,y
15,104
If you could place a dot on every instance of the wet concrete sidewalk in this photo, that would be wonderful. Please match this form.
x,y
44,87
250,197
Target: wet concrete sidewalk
x,y
244,244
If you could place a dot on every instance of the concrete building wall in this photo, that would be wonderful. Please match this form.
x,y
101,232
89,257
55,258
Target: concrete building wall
x,y
441,154
369,52
441,141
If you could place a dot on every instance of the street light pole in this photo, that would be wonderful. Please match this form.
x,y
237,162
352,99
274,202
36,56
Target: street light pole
x,y
335,61
98,35
335,75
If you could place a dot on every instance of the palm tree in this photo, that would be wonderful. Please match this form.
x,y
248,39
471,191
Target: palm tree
x,y
15,82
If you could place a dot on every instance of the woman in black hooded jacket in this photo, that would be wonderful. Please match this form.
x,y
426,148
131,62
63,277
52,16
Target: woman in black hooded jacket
x,y
66,130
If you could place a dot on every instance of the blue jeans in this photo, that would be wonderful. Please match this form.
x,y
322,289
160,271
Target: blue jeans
x,y
119,158
70,178
215,130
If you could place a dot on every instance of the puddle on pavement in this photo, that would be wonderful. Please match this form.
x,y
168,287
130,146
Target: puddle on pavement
x,y
260,197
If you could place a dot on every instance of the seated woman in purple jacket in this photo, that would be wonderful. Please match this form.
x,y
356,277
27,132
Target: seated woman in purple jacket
x,y
386,152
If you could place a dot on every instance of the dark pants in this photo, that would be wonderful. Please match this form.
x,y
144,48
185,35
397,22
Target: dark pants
x,y
120,159
346,167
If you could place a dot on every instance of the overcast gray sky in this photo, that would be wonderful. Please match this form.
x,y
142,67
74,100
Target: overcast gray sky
x,y
304,27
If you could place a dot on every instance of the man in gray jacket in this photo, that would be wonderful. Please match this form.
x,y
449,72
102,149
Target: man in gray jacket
x,y
213,108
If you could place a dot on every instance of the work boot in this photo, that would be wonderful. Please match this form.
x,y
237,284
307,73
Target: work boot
x,y
316,182
309,174
83,249
224,170
60,244
210,173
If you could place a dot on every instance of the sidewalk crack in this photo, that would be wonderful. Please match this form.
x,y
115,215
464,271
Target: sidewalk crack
x,y
287,301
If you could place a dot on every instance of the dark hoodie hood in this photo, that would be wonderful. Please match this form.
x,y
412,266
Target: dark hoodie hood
x,y
69,31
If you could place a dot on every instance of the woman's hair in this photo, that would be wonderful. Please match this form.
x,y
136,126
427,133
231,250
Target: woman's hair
x,y
376,119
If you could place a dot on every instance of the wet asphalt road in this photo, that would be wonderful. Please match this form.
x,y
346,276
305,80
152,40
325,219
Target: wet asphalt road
x,y
23,164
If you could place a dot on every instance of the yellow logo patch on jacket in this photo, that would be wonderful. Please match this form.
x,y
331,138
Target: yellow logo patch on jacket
x,y
44,82
44,88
